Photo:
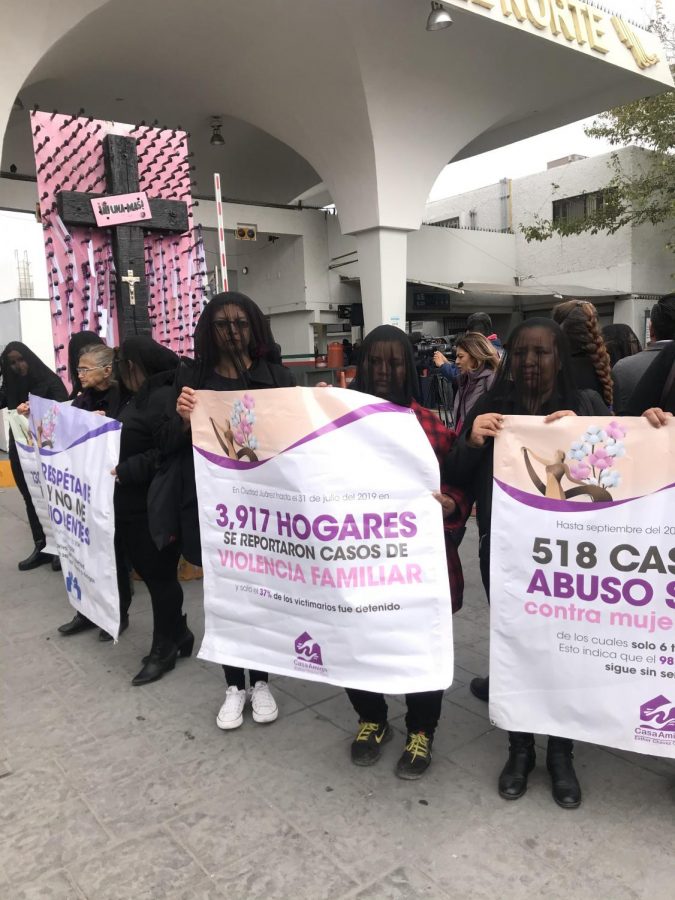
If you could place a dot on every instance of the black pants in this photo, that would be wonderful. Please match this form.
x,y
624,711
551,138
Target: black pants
x,y
555,744
484,561
35,527
424,709
157,568
236,677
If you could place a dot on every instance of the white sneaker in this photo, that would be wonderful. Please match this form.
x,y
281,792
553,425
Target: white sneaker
x,y
264,706
231,713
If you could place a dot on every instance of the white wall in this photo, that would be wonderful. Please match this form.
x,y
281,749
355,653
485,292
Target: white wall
x,y
485,201
450,255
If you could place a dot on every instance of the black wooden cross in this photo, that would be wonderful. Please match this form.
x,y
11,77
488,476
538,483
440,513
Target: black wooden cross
x,y
75,208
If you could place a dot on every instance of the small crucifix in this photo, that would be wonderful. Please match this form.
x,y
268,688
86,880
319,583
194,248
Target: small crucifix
x,y
132,280
75,208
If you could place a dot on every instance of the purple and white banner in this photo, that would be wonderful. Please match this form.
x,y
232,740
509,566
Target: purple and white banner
x,y
322,545
30,466
77,451
582,581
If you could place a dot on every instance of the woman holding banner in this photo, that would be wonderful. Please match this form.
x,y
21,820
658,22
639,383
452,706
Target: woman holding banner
x,y
147,371
100,393
234,350
387,370
24,373
534,379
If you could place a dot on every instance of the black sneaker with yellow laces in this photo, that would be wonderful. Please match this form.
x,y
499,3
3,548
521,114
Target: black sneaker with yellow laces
x,y
367,745
416,757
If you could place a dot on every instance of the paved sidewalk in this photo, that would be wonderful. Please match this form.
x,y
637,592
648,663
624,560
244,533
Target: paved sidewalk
x,y
111,791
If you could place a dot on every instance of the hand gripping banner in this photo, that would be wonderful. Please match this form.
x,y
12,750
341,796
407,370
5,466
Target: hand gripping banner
x,y
322,544
582,638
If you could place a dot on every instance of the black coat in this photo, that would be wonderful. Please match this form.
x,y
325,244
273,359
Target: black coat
x,y
140,456
172,501
471,468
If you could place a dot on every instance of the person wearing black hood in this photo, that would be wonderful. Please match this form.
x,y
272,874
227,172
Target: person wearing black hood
x,y
76,345
234,350
147,370
387,370
24,373
534,379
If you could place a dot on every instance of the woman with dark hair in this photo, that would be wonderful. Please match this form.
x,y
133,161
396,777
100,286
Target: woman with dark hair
x,y
534,379
621,341
656,388
590,364
234,350
24,373
147,370
387,370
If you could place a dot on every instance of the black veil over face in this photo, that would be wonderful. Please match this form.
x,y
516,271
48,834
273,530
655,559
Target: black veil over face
x,y
156,363
387,366
76,345
40,380
535,372
261,343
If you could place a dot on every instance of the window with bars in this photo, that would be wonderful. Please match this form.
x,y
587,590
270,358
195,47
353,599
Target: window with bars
x,y
575,209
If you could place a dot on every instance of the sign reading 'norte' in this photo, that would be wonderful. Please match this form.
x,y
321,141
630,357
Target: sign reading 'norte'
x,y
576,23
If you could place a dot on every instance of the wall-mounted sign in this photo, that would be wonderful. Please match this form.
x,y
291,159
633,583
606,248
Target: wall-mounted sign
x,y
431,300
577,24
245,232
120,209
344,311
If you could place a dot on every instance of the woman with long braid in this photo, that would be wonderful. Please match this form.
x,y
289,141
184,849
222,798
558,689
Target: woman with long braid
x,y
591,365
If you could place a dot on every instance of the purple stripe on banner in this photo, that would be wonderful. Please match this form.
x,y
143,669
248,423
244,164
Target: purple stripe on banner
x,y
108,426
353,416
540,502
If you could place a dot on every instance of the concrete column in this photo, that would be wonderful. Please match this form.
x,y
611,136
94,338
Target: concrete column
x,y
382,269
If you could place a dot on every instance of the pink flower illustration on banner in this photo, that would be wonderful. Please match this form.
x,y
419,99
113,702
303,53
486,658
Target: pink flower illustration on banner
x,y
593,458
237,438
47,427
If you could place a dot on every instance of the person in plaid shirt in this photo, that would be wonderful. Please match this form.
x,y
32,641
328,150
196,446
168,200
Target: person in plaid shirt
x,y
387,370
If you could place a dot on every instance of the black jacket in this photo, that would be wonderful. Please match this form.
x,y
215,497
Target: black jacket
x,y
140,456
471,468
172,502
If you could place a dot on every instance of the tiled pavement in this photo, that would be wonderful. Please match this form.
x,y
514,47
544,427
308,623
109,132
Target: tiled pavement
x,y
110,791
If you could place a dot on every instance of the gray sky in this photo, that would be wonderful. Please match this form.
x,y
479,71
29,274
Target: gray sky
x,y
531,155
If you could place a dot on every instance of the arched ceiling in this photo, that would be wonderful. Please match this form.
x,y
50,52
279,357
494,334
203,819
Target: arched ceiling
x,y
354,93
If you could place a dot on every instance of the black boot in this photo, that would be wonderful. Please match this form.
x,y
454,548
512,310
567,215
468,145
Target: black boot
x,y
564,784
162,659
184,640
37,558
77,624
480,687
105,637
513,779
56,563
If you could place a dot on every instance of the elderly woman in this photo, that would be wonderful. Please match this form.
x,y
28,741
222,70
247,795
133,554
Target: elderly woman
x,y
387,370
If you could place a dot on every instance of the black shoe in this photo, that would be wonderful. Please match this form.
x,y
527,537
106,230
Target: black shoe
x,y
564,784
513,778
480,687
77,624
184,640
162,659
367,745
37,558
416,757
56,564
104,636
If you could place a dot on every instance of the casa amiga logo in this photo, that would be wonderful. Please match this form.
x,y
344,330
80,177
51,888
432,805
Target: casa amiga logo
x,y
308,654
657,721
